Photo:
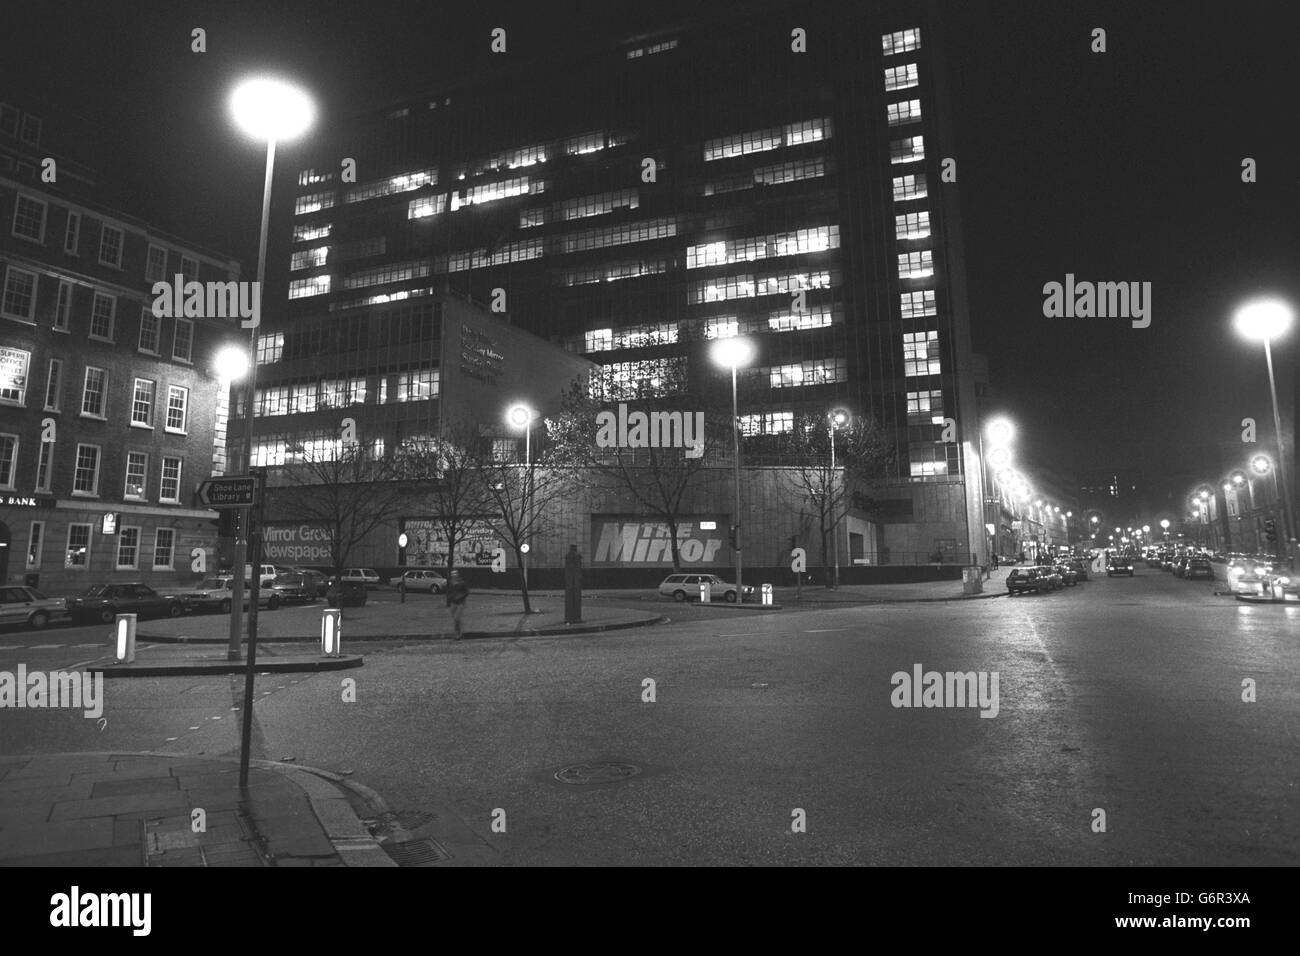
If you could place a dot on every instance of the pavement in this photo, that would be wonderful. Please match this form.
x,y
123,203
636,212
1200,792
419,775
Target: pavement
x,y
153,809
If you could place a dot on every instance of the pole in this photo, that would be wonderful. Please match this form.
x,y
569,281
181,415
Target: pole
x,y
735,440
250,394
835,527
246,732
528,496
1288,527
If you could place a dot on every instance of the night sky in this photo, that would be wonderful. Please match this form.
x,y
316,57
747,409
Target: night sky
x,y
1123,166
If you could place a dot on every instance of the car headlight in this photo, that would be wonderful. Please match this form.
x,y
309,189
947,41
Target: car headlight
x,y
1234,573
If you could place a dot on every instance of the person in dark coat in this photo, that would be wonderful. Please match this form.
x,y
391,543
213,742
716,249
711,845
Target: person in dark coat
x,y
457,595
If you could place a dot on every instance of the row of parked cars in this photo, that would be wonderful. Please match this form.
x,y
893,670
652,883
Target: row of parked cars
x,y
1181,562
1061,572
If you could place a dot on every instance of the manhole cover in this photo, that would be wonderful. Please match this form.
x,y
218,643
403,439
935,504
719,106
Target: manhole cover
x,y
416,852
587,774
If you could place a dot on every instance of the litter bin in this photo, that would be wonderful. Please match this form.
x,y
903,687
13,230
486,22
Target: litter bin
x,y
972,581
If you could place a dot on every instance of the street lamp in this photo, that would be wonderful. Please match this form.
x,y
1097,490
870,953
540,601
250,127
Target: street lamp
x,y
521,416
733,353
264,108
836,417
1264,320
1164,526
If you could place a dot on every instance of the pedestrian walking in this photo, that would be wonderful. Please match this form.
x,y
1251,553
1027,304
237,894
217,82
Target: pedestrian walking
x,y
995,560
457,595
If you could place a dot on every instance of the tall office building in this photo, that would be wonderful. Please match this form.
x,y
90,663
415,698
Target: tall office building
x,y
778,177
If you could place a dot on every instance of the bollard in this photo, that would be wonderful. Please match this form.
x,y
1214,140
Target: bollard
x,y
767,594
125,638
331,631
706,592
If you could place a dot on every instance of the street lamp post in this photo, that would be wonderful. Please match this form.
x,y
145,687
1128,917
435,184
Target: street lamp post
x,y
270,110
521,416
1266,320
837,417
733,353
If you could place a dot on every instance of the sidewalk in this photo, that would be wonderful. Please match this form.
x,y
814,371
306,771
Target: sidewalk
x,y
919,591
140,809
488,614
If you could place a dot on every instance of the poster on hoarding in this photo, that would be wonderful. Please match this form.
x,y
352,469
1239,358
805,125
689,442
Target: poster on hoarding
x,y
635,541
426,545
298,544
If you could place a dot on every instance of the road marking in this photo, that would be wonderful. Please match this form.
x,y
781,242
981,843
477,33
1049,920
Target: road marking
x,y
194,728
14,647
170,739
733,635
88,645
825,630
46,647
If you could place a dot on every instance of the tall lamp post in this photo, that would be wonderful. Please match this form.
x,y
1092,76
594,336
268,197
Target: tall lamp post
x,y
521,416
1000,432
733,353
267,109
837,417
1265,320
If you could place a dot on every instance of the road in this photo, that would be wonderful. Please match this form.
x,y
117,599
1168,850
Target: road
x,y
1119,695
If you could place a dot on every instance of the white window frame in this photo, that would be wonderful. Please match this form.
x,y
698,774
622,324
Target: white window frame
x,y
44,467
144,478
35,544
104,230
72,233
148,264
153,403
76,465
112,317
122,535
54,383
45,211
187,358
67,558
7,482
102,414
63,307
4,294
184,408
146,317
21,400
162,482
189,268
171,550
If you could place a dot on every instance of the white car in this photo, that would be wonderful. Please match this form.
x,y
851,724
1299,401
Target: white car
x,y
268,574
28,606
430,581
683,587
367,576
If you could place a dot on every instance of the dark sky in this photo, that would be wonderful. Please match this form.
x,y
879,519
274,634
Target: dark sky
x,y
1123,166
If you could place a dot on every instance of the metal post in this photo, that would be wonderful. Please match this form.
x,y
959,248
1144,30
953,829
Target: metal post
x,y
250,394
246,734
1288,527
735,437
835,528
528,497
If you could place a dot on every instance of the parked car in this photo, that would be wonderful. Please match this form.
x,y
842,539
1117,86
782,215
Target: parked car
x,y
104,602
1080,566
318,580
294,588
1199,567
421,580
367,577
214,594
1069,577
267,575
30,608
681,587
1119,564
1025,579
346,594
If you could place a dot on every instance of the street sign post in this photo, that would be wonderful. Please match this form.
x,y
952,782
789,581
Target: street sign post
x,y
231,491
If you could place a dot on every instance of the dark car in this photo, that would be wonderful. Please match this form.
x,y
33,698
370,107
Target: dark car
x,y
1069,577
1119,564
106,601
1080,566
1032,579
1199,568
293,587
1180,565
346,594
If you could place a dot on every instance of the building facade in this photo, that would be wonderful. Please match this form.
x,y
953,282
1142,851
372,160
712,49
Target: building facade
x,y
109,415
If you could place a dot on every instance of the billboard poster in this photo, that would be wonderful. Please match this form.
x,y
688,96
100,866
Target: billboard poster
x,y
637,541
305,544
427,548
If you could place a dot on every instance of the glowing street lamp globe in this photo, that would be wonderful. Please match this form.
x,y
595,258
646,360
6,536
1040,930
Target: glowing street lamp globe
x,y
268,108
1000,431
519,415
1263,319
231,363
732,353
1261,464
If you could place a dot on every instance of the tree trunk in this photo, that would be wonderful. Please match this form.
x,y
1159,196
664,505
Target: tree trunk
x,y
671,522
523,580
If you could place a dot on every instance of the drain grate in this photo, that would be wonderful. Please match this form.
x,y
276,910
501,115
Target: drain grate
x,y
386,824
421,852
589,774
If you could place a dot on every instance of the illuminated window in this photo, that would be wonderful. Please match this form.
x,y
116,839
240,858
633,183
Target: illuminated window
x,y
491,192
14,366
312,177
169,487
914,265
314,202
137,466
402,183
927,460
310,233
925,408
648,378
921,353
418,386
654,48
426,206
309,258
912,225
901,42
917,304
899,114
767,423
817,239
613,273
780,173
814,372
302,288
909,150
532,217
758,141
78,552
585,206
901,77
814,317
909,187
142,399
270,347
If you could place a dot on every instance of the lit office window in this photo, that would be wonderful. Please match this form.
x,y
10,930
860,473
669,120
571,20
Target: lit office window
x,y
642,51
925,408
532,217
402,183
312,177
426,206
814,372
270,347
620,235
909,150
914,305
417,386
921,353
310,233
137,466
302,288
585,206
309,258
648,378
814,317
759,141
314,202
14,367
927,460
901,77
899,114
915,265
912,225
491,192
613,273
901,42
910,187
816,239
584,143
767,423
78,552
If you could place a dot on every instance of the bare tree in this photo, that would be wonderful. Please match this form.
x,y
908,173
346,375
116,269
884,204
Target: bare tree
x,y
660,478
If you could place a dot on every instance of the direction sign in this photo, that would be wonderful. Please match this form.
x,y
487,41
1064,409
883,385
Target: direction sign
x,y
232,491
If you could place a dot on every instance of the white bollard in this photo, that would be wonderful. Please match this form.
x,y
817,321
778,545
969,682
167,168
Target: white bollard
x,y
331,631
767,594
706,592
125,638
